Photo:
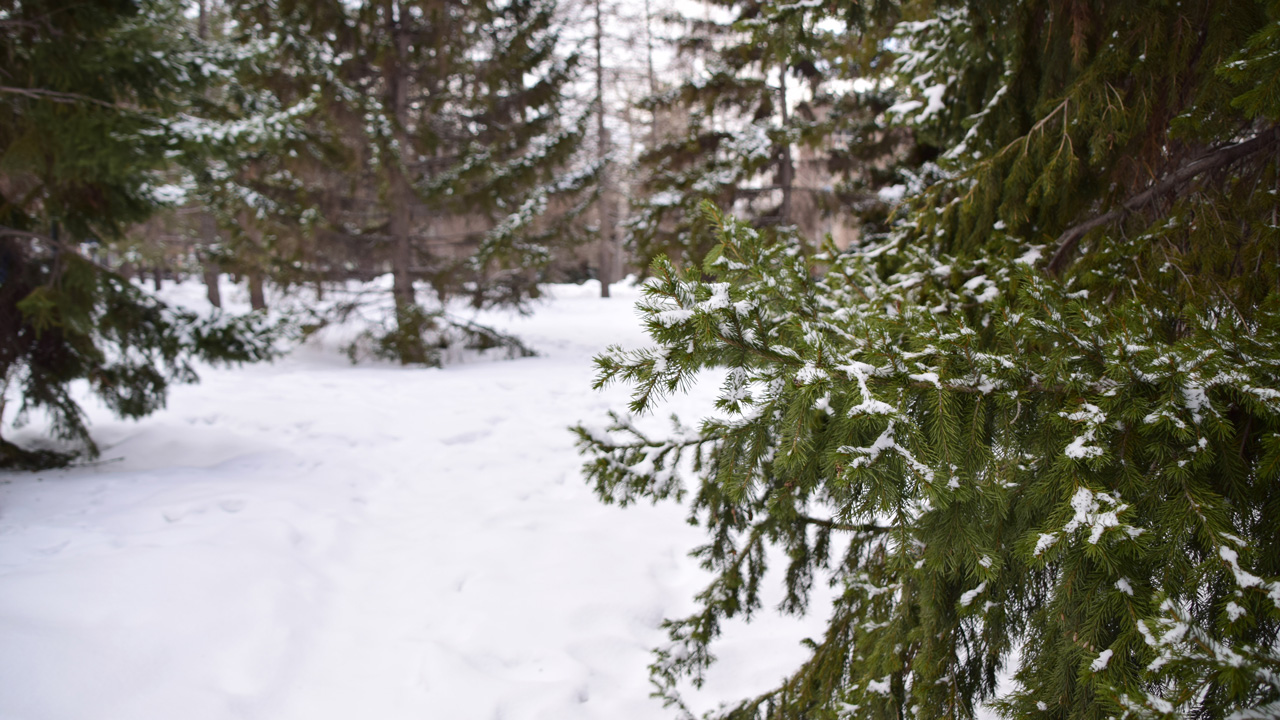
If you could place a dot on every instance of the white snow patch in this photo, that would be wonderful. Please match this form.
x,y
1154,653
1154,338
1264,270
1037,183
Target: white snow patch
x,y
969,595
892,194
1100,663
1235,612
879,687
1044,542
1089,513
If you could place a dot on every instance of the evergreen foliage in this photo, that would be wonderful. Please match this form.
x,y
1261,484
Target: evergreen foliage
x,y
423,125
88,90
1031,428
775,79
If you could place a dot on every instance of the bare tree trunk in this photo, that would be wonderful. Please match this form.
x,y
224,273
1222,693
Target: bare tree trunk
x,y
648,47
257,297
401,195
603,208
210,270
787,171
208,233
409,318
211,277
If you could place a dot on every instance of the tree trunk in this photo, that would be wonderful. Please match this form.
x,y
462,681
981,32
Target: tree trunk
x,y
787,171
603,209
208,233
257,298
648,47
211,278
401,195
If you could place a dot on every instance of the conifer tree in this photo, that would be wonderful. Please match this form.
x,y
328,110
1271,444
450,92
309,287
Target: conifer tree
x,y
775,79
89,90
1031,429
431,112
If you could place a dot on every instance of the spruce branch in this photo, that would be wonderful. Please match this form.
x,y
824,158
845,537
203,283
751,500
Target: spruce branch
x,y
1208,162
861,528
59,97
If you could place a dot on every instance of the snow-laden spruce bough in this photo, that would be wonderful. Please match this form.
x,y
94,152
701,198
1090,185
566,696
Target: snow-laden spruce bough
x,y
1035,428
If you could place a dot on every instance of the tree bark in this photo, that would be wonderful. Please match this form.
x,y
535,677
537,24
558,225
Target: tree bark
x,y
400,191
208,233
211,277
603,213
257,297
787,172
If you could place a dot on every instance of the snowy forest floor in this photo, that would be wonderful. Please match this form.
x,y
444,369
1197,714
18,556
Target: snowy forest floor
x,y
310,539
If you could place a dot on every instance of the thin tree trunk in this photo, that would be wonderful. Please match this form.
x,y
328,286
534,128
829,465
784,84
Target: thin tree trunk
x,y
211,271
603,213
787,170
208,233
211,278
401,193
648,46
257,297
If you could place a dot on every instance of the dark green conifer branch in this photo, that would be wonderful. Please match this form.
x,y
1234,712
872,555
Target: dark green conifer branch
x,y
1053,382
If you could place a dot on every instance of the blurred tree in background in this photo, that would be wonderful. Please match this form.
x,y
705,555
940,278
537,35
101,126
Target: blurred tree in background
x,y
87,92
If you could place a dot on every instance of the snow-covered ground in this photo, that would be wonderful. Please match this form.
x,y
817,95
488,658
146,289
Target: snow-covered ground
x,y
310,539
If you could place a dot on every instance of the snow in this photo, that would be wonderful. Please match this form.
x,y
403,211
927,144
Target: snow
x,y
1031,256
1100,663
311,540
1235,612
879,687
892,194
967,597
1089,514
1044,542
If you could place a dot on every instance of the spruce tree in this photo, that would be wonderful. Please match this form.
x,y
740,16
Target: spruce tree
x,y
774,82
432,116
89,91
1032,427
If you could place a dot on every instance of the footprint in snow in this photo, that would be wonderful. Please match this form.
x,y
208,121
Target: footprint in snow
x,y
466,438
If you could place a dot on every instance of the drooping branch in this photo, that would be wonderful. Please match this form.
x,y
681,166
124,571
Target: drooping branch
x,y
56,96
1213,160
847,527
54,244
